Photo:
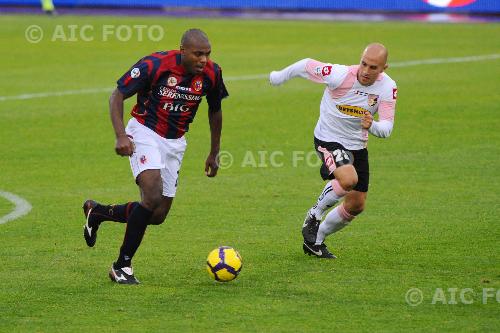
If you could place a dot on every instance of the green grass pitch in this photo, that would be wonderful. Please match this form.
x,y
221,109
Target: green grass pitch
x,y
431,220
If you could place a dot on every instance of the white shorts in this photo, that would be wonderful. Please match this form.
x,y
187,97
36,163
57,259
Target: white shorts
x,y
154,152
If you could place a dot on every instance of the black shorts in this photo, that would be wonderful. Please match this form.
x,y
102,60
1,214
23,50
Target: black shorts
x,y
334,155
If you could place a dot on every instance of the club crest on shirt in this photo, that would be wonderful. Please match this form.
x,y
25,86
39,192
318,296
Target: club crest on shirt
x,y
143,159
172,81
198,85
372,99
135,73
394,93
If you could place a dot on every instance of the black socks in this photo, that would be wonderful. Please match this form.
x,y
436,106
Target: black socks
x,y
116,213
137,223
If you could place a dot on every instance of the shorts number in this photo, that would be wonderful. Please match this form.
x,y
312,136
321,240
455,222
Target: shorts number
x,y
340,155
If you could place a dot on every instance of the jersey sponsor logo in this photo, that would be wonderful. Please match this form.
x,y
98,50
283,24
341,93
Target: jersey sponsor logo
x,y
176,107
183,88
326,70
394,93
372,99
172,81
351,110
198,85
135,73
174,94
361,93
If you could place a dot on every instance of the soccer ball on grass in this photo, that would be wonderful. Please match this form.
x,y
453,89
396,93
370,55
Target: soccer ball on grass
x,y
224,263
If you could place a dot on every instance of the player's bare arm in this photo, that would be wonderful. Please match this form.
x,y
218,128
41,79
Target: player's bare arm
x,y
124,146
212,162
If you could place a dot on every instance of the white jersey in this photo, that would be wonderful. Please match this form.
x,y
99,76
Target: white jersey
x,y
345,101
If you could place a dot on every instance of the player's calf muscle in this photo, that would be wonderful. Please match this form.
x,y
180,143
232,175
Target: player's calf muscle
x,y
158,217
355,202
161,212
355,208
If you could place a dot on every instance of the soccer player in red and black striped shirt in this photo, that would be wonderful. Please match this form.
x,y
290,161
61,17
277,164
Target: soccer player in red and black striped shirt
x,y
169,87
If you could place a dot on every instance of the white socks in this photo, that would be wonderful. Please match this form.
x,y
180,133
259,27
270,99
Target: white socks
x,y
331,194
337,219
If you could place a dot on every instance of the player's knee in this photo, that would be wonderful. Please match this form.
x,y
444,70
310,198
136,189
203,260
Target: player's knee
x,y
349,182
346,176
152,202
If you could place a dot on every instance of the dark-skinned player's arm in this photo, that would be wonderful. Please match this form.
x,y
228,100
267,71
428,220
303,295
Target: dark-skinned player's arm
x,y
212,162
124,145
136,79
214,100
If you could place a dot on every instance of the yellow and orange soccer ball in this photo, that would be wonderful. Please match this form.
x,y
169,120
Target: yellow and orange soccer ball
x,y
224,264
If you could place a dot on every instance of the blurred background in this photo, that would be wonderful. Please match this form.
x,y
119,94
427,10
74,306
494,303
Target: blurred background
x,y
433,10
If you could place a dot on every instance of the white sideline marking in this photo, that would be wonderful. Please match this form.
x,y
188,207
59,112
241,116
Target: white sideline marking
x,y
23,207
247,77
434,61
57,93
431,61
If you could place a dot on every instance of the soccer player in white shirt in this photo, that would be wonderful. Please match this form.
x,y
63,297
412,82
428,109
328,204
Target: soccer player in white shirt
x,y
352,96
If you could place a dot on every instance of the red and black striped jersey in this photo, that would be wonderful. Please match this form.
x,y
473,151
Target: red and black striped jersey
x,y
167,96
